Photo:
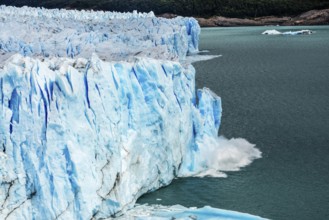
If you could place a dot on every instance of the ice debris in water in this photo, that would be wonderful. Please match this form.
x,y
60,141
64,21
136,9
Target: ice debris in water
x,y
96,109
275,32
160,212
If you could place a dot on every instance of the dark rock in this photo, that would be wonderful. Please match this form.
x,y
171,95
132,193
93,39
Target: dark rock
x,y
314,17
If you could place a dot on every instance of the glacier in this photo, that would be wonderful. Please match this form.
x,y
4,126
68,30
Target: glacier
x,y
113,36
99,108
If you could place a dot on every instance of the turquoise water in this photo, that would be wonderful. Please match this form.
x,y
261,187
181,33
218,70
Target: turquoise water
x,y
275,93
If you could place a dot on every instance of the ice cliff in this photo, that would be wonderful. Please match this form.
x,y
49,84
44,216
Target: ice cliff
x,y
99,108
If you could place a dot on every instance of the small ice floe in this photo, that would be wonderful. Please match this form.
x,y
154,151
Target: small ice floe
x,y
306,32
275,32
196,58
272,32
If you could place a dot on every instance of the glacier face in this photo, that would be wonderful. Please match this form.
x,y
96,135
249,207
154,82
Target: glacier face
x,y
83,139
85,132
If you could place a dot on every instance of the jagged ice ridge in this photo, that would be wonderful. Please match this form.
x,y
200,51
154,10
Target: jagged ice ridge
x,y
107,115
64,33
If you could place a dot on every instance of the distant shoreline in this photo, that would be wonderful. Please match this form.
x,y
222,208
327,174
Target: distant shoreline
x,y
313,17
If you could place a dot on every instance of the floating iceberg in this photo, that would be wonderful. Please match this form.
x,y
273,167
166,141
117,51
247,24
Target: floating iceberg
x,y
301,32
271,32
108,113
275,32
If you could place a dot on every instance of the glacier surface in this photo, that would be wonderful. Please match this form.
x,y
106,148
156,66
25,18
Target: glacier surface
x,y
106,114
113,36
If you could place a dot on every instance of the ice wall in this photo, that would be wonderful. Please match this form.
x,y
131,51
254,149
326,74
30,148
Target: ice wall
x,y
91,135
84,132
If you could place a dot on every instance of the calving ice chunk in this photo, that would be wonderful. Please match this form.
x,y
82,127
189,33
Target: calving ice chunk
x,y
82,136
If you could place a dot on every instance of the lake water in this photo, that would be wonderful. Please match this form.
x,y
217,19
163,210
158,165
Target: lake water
x,y
275,93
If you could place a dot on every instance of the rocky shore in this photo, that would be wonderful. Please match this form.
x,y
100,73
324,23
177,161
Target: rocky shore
x,y
313,17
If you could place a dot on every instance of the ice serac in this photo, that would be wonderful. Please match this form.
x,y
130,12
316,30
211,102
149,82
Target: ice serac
x,y
90,125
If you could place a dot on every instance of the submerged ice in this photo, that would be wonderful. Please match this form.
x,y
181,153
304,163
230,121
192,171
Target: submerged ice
x,y
90,125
